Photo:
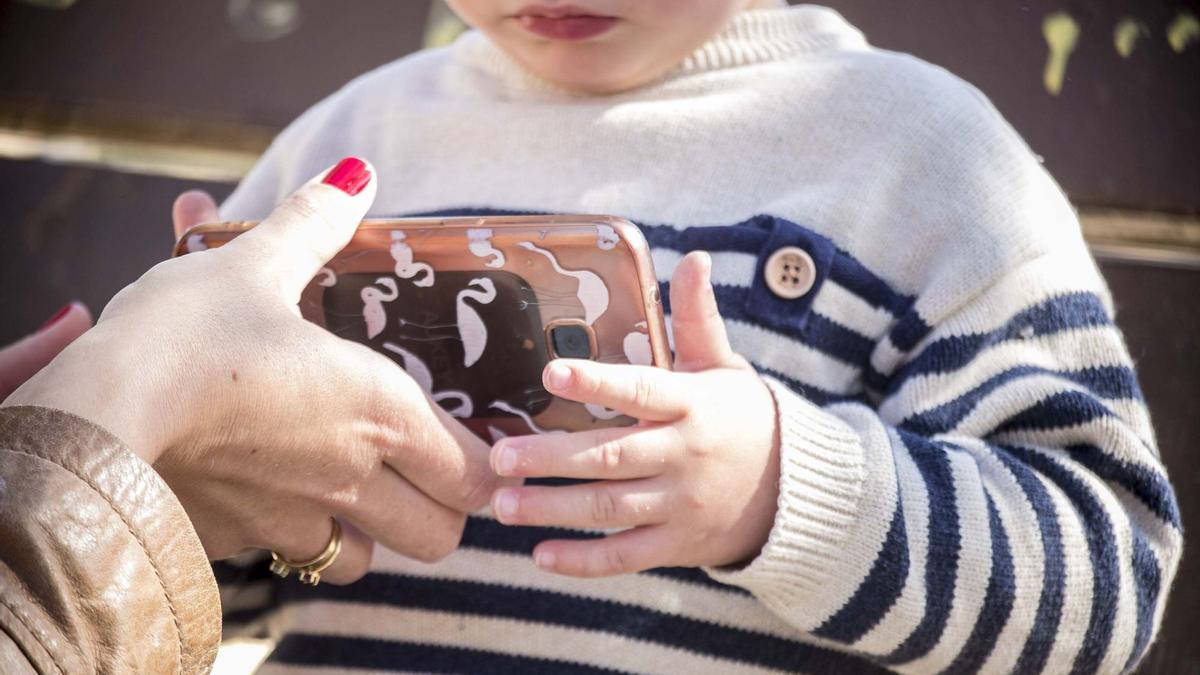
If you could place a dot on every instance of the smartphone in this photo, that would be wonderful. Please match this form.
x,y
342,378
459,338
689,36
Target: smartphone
x,y
474,308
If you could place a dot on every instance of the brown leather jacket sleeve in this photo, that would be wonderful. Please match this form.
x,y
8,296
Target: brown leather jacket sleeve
x,y
100,569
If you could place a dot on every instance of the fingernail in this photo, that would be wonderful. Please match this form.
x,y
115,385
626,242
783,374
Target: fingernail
x,y
506,505
506,463
66,309
350,175
544,560
558,376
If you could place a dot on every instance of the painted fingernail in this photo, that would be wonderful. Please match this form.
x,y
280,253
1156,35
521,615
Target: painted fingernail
x,y
506,463
66,309
558,376
350,175
544,560
506,505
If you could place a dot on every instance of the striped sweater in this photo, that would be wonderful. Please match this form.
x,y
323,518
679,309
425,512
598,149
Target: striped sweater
x,y
969,474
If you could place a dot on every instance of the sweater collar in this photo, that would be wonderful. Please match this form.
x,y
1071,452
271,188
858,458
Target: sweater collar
x,y
753,36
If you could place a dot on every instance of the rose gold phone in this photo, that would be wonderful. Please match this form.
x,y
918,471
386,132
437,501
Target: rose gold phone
x,y
474,308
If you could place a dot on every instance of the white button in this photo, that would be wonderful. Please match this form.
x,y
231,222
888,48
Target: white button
x,y
790,272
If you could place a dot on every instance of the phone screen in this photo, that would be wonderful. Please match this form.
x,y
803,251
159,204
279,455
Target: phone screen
x,y
473,334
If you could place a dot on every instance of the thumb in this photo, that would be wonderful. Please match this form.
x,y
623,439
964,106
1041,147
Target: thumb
x,y
20,360
310,226
193,208
700,340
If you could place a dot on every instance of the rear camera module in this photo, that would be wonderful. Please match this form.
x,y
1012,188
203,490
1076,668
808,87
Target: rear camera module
x,y
571,341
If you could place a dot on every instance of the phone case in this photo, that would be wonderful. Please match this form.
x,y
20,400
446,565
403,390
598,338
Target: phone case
x,y
474,308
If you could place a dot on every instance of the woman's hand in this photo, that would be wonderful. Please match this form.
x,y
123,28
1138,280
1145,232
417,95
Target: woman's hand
x,y
697,481
20,360
264,424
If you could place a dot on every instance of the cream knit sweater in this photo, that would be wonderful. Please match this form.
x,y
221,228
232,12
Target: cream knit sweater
x,y
969,480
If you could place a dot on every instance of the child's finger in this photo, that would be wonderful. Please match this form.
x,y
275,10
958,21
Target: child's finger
x,y
602,504
642,392
602,454
623,553
700,339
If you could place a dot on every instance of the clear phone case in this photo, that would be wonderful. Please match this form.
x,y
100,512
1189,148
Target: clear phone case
x,y
474,308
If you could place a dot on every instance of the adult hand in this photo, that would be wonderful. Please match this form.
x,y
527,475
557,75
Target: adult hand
x,y
264,424
20,360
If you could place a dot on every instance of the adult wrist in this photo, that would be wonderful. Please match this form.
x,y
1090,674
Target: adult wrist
x,y
88,379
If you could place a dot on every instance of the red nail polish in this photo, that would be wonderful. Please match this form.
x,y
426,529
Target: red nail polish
x,y
350,175
56,318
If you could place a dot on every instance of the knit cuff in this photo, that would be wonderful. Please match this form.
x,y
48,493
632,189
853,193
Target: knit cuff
x,y
820,483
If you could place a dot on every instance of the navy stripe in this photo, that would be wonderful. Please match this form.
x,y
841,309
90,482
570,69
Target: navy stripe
x,y
1102,547
1107,382
810,392
1064,312
490,535
736,238
941,562
354,652
852,275
908,331
1040,640
1149,486
1056,411
820,332
878,592
540,606
229,573
1148,579
997,601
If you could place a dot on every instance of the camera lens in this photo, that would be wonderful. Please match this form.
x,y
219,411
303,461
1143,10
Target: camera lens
x,y
571,341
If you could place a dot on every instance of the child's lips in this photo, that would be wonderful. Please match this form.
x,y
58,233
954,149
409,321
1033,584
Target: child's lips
x,y
563,22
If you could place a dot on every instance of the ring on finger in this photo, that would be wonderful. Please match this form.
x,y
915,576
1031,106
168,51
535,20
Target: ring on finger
x,y
310,570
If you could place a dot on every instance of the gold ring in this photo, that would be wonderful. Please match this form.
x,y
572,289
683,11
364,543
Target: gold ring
x,y
310,571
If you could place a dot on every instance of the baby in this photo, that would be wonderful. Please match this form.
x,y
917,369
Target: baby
x,y
902,432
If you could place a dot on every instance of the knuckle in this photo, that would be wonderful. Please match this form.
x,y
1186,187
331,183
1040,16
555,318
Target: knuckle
x,y
604,506
610,454
643,392
478,488
615,560
442,542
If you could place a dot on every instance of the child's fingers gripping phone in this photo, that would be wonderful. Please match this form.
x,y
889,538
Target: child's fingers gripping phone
x,y
475,308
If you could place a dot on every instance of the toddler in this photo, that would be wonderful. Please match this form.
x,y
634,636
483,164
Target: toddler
x,y
903,431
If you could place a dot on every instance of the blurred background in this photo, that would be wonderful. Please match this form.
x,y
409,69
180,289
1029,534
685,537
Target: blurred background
x,y
110,108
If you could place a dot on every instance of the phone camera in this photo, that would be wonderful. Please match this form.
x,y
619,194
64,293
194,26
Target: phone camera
x,y
571,341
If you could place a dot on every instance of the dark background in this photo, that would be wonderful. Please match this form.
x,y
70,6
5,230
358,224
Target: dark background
x,y
1123,133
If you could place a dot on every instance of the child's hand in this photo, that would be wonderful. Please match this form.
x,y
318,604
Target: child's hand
x,y
697,481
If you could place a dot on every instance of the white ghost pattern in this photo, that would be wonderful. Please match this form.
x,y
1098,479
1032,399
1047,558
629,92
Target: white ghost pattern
x,y
326,277
600,412
402,253
421,374
195,243
373,300
636,346
479,241
471,328
606,237
592,293
509,408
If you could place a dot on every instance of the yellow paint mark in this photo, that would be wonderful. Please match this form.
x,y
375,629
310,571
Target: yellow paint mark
x,y
1126,35
442,26
1183,31
1062,34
